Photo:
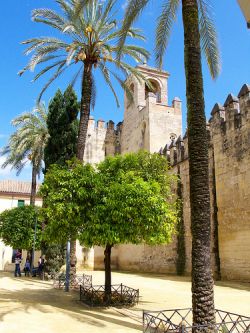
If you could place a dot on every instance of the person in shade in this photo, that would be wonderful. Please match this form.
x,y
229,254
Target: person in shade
x,y
18,260
27,267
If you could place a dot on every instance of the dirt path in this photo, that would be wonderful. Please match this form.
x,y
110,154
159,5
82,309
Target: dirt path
x,y
32,305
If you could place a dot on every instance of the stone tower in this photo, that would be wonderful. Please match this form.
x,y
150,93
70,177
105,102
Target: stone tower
x,y
149,122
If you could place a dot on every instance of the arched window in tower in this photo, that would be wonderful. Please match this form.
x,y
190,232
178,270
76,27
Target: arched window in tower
x,y
154,89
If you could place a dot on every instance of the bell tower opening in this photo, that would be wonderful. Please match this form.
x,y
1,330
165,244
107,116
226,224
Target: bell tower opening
x,y
154,89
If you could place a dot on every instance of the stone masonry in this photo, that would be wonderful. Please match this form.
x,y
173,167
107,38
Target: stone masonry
x,y
230,131
151,124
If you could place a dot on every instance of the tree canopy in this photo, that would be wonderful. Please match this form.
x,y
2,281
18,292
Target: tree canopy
x,y
124,199
17,227
62,126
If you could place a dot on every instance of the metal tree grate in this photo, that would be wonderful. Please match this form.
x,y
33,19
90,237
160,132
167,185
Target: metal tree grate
x,y
120,295
75,281
180,321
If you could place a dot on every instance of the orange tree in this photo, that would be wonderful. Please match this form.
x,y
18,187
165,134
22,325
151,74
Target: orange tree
x,y
126,199
17,227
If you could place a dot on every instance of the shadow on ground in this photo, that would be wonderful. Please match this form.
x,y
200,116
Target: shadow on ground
x,y
50,300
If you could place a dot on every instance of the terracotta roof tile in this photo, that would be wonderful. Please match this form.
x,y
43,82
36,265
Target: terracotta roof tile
x,y
15,186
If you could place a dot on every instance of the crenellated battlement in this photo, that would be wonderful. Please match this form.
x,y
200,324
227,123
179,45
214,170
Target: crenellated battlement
x,y
228,122
103,139
233,114
102,125
176,151
230,125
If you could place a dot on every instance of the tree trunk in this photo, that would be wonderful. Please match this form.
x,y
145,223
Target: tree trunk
x,y
107,264
202,281
73,259
87,83
33,187
82,134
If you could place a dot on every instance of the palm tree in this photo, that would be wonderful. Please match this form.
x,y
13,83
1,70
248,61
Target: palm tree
x,y
27,143
90,40
199,33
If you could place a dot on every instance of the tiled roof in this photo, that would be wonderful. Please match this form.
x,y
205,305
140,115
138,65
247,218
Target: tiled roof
x,y
15,186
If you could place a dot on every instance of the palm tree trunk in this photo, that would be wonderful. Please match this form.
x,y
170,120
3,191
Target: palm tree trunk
x,y
87,83
202,281
107,264
33,187
82,134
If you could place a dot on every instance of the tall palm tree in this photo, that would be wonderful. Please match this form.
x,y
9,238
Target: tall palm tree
x,y
89,40
27,143
199,33
90,35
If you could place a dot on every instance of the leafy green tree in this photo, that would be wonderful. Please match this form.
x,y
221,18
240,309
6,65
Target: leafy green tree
x,y
131,206
126,199
199,33
17,227
62,126
68,194
55,256
27,144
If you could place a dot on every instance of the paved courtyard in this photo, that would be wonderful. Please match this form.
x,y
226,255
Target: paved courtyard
x,y
33,305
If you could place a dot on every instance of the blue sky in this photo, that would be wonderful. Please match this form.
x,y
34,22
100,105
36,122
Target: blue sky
x,y
18,94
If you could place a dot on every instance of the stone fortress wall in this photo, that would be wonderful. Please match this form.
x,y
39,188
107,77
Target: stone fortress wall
x,y
230,132
149,123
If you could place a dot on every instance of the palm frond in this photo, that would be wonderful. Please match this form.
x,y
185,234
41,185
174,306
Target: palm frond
x,y
208,34
42,41
136,33
61,68
48,16
125,87
46,58
133,10
76,76
106,75
163,30
136,52
27,143
105,15
79,6
41,53
46,69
